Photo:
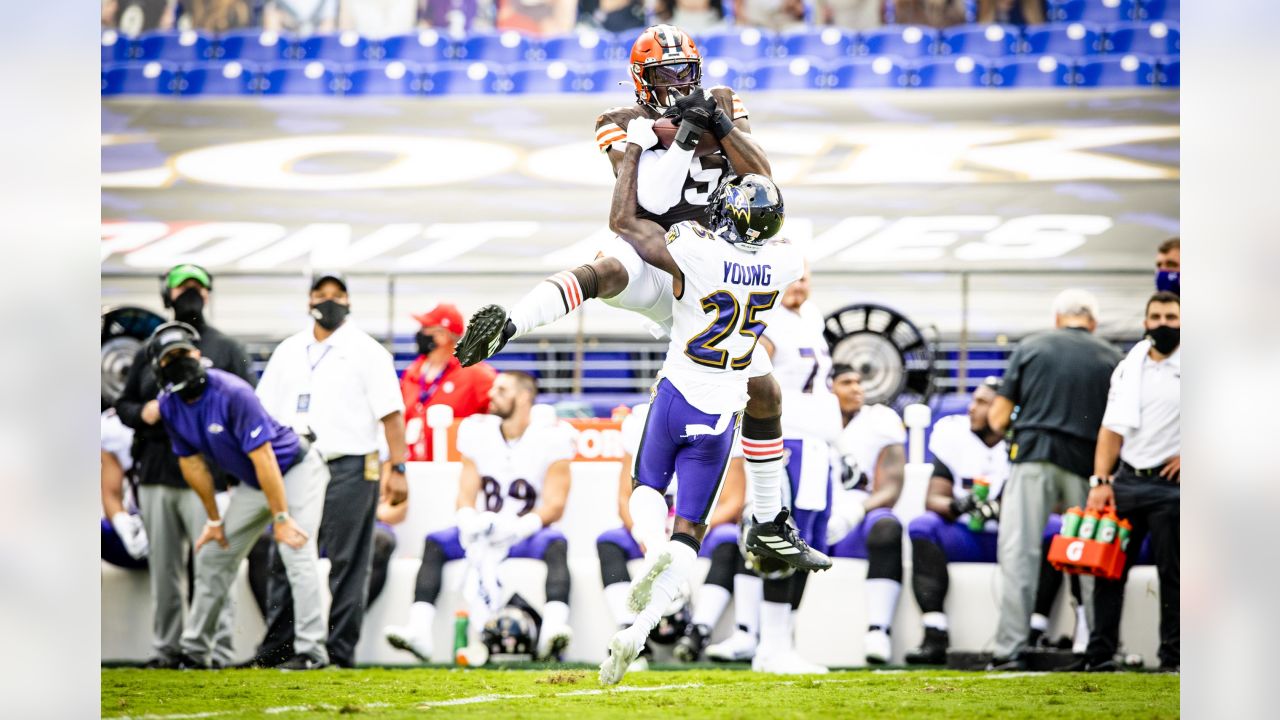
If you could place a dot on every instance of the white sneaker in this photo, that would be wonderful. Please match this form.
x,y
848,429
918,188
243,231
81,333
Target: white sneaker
x,y
739,646
623,650
877,647
403,637
640,664
553,641
786,663
642,587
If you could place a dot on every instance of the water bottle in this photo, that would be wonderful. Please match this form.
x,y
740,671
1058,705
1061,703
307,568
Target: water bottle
x,y
981,488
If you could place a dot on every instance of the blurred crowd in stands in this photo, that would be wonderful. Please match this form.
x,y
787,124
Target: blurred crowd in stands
x,y
382,18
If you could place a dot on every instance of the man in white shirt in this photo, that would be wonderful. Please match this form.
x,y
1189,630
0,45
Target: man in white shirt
x,y
1141,429
335,381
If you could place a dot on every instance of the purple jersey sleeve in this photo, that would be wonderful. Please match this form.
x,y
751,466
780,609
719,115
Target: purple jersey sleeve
x,y
251,426
181,447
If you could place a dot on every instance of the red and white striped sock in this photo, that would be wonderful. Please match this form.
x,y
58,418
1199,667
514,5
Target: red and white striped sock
x,y
549,301
765,469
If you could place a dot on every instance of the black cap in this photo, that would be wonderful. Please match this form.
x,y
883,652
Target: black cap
x,y
168,337
318,278
840,369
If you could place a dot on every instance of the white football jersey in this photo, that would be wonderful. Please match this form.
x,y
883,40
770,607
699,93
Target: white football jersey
x,y
511,473
968,458
802,367
874,428
728,298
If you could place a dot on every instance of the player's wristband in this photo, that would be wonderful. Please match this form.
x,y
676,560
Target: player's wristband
x,y
721,124
213,523
689,134
281,517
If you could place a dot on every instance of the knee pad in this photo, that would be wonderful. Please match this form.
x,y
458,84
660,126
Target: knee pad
x,y
884,550
724,560
613,564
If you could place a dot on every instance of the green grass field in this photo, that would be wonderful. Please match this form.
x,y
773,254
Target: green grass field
x,y
565,694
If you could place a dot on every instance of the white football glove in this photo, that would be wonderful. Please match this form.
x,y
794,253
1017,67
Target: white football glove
x,y
845,516
509,529
132,534
473,525
640,132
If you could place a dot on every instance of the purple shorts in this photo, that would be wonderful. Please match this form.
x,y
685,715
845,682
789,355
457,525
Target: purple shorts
x,y
533,547
854,545
811,524
700,460
716,536
959,543
113,549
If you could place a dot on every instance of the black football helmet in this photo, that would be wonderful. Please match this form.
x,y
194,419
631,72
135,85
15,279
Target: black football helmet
x,y
511,631
747,210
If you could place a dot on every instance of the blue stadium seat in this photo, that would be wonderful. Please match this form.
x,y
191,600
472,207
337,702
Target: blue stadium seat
x,y
1170,72
215,78
177,47
583,47
427,46
822,43
301,78
980,40
541,77
1159,10
1039,72
383,78
504,48
139,78
621,42
1157,38
907,41
115,47
880,72
1070,39
1126,71
784,74
254,45
606,77
1098,11
474,78
950,72
719,71
744,45
344,47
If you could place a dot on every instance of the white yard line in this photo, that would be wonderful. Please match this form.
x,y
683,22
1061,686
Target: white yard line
x,y
471,700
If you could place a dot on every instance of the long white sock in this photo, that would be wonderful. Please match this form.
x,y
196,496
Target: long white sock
x,y
648,518
709,605
556,613
765,468
666,586
882,600
775,628
748,593
547,302
935,620
615,597
1039,622
422,618
1081,641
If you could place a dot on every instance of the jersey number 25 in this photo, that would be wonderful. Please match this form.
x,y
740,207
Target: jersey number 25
x,y
702,348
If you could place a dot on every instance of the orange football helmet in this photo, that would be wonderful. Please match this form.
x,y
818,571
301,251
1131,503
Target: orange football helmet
x,y
664,57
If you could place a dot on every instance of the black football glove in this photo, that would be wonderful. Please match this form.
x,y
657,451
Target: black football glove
x,y
692,126
989,510
961,506
697,98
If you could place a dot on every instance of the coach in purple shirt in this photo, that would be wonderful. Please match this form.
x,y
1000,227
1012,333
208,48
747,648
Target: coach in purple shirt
x,y
214,414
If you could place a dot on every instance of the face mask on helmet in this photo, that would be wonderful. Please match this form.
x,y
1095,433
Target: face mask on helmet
x,y
184,375
675,80
746,212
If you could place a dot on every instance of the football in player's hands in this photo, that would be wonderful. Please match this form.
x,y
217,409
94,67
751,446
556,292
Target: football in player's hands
x,y
666,129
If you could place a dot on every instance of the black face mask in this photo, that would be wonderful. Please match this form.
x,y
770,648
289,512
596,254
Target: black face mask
x,y
184,376
426,343
330,314
1165,339
189,307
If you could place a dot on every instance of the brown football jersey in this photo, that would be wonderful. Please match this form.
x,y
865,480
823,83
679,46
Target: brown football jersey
x,y
705,173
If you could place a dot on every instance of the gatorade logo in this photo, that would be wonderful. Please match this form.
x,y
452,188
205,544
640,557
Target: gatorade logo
x,y
1075,551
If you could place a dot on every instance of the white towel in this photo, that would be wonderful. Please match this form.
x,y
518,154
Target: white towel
x,y
481,589
1124,400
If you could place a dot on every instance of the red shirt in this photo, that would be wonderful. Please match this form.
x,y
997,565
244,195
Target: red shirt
x,y
466,390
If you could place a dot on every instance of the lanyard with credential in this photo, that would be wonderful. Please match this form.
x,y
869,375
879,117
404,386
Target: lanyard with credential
x,y
429,391
304,399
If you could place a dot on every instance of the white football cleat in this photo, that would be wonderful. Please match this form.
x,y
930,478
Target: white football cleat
x,y
640,664
877,647
786,663
552,642
642,587
623,650
403,637
738,647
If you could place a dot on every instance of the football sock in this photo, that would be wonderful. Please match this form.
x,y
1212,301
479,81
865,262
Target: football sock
x,y
882,599
935,620
709,605
748,592
555,614
615,597
775,628
1039,622
667,585
648,518
762,448
547,302
422,617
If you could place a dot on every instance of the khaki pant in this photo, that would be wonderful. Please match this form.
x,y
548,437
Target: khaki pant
x,y
1030,493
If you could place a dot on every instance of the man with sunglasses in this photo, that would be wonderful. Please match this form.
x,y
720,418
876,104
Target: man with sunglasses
x,y
672,186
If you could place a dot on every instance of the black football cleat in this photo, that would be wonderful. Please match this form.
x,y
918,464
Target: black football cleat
x,y
486,334
689,647
932,651
1009,664
778,539
302,662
